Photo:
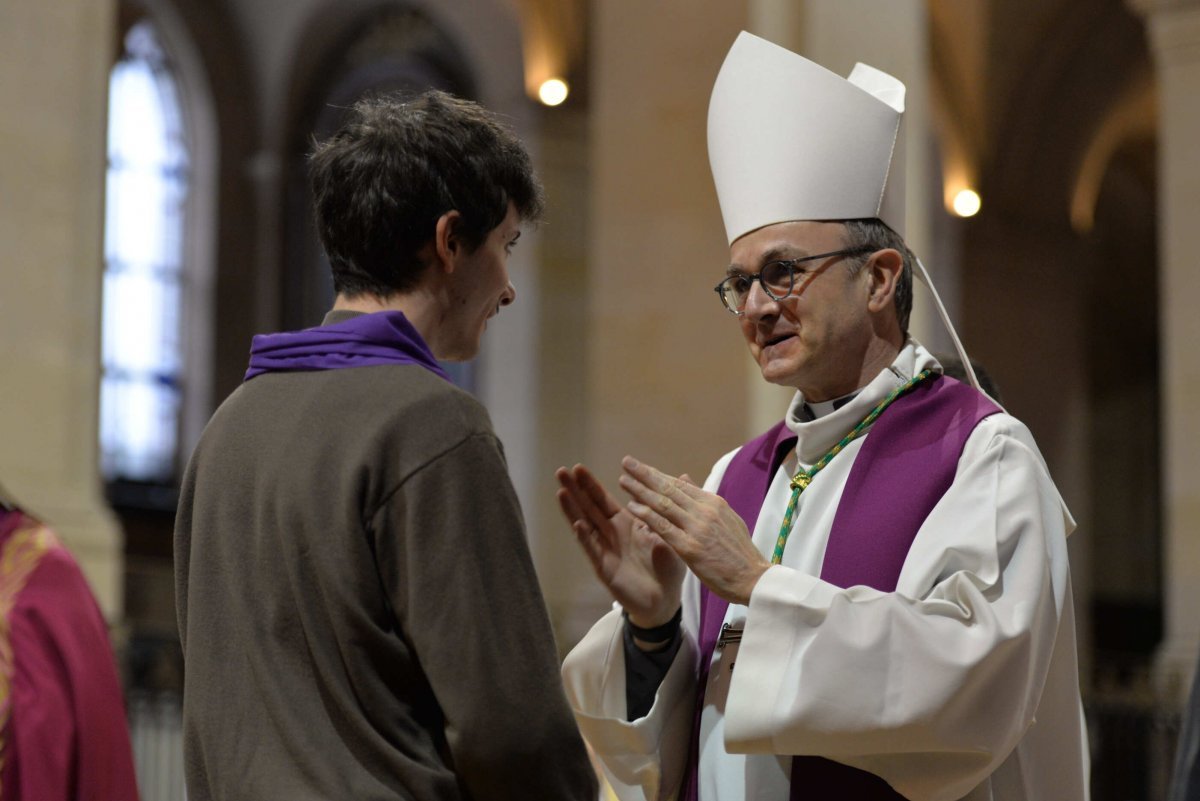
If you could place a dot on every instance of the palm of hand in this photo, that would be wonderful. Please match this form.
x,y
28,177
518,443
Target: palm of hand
x,y
641,571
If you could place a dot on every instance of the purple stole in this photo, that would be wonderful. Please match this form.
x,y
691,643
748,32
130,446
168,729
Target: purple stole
x,y
907,462
361,340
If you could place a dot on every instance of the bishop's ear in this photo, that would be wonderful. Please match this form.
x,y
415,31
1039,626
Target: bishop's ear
x,y
885,267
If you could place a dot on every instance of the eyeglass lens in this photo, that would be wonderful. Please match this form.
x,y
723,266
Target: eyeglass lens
x,y
776,279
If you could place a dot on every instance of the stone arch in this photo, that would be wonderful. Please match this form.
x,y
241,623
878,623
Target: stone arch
x,y
1053,106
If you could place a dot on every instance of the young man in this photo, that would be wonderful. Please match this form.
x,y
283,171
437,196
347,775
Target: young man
x,y
886,568
357,605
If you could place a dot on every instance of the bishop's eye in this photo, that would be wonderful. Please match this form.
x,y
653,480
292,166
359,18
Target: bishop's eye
x,y
740,285
778,275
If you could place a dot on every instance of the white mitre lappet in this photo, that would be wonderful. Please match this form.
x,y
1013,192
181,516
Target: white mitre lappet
x,y
789,140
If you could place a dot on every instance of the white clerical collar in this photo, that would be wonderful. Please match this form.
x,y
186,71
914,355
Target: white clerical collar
x,y
818,409
818,433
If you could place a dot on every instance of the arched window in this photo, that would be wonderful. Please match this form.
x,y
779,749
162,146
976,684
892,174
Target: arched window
x,y
147,189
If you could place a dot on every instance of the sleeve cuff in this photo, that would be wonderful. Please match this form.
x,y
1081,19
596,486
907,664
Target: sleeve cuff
x,y
635,753
783,601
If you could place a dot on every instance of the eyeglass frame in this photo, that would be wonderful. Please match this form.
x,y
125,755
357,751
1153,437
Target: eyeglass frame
x,y
791,268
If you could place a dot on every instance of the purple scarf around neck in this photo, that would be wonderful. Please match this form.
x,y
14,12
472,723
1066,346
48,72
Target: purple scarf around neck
x,y
365,340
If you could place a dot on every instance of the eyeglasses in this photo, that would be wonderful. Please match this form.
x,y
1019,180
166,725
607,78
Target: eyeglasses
x,y
777,278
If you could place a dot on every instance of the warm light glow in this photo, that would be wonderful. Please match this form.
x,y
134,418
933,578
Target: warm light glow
x,y
553,91
966,203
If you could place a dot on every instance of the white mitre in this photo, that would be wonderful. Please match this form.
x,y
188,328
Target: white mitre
x,y
790,140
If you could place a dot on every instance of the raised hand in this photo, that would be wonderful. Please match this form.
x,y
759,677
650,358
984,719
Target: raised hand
x,y
637,567
699,526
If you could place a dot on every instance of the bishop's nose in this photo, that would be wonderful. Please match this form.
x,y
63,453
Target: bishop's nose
x,y
759,304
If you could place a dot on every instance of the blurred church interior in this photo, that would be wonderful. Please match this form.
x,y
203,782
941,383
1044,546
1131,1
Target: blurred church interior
x,y
154,215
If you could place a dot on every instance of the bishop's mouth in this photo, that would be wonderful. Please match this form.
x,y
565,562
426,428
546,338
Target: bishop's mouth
x,y
776,340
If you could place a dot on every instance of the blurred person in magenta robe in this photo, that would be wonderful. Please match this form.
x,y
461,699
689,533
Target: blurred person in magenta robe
x,y
63,733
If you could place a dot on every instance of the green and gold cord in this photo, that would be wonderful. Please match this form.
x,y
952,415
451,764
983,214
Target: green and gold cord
x,y
803,478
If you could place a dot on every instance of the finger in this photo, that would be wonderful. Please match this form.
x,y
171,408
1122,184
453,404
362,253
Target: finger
x,y
567,483
595,491
589,539
570,496
676,509
593,548
600,513
644,482
664,528
570,481
581,511
677,489
648,536
565,480
686,485
564,476
651,476
588,534
570,509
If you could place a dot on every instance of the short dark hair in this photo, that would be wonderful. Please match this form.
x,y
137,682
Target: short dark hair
x,y
381,182
875,234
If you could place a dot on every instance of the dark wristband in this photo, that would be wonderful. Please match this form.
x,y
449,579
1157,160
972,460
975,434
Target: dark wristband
x,y
666,631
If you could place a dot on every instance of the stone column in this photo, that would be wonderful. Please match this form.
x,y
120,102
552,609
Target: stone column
x,y
52,169
1174,31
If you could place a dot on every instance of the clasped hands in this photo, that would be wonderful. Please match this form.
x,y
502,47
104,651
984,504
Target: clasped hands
x,y
639,550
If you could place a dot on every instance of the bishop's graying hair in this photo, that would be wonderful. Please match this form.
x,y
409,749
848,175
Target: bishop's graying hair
x,y
874,234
